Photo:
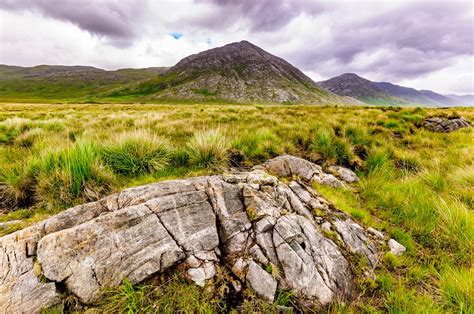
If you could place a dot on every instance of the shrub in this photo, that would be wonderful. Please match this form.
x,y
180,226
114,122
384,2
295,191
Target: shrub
x,y
136,153
391,124
208,150
67,174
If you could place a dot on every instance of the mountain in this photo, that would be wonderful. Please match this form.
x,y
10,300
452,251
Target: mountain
x,y
443,100
352,85
385,93
238,71
66,82
406,93
463,100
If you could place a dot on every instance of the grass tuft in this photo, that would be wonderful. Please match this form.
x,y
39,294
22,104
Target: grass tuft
x,y
208,150
66,175
136,153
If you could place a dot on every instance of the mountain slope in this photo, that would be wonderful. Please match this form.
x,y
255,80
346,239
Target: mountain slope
x,y
66,82
406,93
239,71
385,93
352,85
462,100
443,100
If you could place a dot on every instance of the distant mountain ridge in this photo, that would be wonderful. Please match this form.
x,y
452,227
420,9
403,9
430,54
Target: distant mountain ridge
x,y
237,72
385,93
66,83
464,100
352,85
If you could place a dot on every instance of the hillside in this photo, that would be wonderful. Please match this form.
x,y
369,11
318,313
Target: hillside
x,y
386,93
406,93
238,71
464,100
352,85
58,82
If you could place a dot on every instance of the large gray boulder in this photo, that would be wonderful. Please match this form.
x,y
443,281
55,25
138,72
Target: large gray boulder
x,y
249,222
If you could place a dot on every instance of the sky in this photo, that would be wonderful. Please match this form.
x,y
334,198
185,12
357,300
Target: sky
x,y
420,44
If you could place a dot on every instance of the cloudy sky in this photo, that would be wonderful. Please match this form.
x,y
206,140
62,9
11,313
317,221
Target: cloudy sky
x,y
423,44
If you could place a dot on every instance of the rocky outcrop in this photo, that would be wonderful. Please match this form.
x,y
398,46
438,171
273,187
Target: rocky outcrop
x,y
437,124
269,234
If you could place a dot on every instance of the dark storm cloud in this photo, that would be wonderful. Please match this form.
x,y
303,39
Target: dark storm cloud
x,y
263,15
387,40
407,40
414,39
116,20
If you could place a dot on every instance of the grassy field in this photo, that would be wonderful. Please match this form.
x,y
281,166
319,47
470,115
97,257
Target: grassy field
x,y
415,185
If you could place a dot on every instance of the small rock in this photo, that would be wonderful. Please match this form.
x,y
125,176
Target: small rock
x,y
396,248
201,274
261,282
344,174
376,233
327,179
258,254
239,267
326,226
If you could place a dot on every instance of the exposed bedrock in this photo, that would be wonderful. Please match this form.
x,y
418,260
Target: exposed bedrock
x,y
437,124
269,234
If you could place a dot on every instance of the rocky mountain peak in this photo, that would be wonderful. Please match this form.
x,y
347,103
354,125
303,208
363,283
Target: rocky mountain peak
x,y
242,71
352,85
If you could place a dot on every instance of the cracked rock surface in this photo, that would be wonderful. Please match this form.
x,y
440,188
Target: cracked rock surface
x,y
266,232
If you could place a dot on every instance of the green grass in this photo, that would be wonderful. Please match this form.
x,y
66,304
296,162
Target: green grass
x,y
136,153
208,149
330,149
64,175
416,186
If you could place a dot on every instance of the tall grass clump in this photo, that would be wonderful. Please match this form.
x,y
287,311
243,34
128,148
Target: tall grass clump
x,y
71,173
377,160
260,145
176,296
330,149
208,149
15,187
359,139
136,153
457,285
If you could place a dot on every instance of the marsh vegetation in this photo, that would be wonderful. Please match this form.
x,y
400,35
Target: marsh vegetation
x,y
416,185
